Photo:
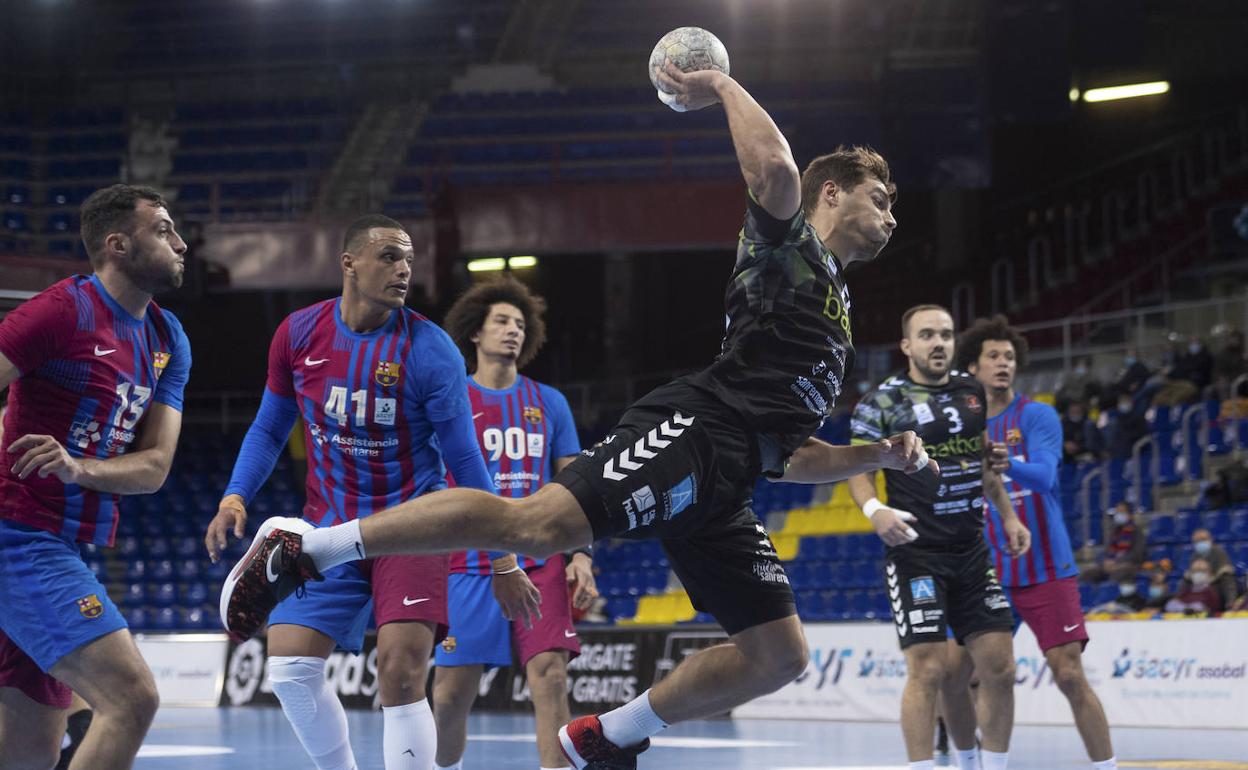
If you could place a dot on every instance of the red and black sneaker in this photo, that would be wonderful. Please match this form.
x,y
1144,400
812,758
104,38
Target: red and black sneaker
x,y
588,749
273,568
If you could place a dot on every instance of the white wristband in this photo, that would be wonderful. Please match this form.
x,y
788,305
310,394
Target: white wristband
x,y
871,506
508,571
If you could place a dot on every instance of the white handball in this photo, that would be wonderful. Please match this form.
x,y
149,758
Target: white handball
x,y
690,49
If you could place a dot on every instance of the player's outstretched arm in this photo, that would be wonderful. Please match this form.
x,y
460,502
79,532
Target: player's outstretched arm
x,y
762,151
818,462
141,472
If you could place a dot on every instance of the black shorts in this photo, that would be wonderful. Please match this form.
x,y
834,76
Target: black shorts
x,y
678,468
949,587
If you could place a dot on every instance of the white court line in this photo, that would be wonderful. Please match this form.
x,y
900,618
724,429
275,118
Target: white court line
x,y
168,750
667,742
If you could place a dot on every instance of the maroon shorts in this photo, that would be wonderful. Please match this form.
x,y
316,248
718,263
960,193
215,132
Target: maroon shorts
x,y
18,671
554,631
1052,612
410,588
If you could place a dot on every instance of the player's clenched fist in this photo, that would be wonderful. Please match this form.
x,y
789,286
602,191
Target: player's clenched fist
x,y
231,515
904,452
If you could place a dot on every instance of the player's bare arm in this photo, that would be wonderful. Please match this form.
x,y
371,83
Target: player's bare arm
x,y
141,472
766,160
818,462
890,523
231,515
1017,535
516,595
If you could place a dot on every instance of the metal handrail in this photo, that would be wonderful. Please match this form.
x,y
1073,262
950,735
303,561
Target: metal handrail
x,y
1085,494
1189,473
1137,467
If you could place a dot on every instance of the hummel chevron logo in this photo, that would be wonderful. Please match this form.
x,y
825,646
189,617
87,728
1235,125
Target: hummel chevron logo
x,y
646,448
894,592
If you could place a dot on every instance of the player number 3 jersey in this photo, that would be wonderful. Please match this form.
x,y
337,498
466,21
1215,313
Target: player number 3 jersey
x,y
950,419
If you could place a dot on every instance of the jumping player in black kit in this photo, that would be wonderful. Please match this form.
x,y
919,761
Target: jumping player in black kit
x,y
938,572
680,466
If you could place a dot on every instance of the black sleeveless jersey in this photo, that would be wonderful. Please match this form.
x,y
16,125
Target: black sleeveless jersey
x,y
789,343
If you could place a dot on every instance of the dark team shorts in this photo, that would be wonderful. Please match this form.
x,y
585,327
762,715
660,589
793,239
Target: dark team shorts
x,y
947,587
480,635
1051,609
389,588
51,604
679,469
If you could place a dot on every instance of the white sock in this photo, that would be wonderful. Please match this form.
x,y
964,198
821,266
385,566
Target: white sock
x,y
994,760
631,723
456,766
1108,764
926,764
331,546
313,710
409,736
968,759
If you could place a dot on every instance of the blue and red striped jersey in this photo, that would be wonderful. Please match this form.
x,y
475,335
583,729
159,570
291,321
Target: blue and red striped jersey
x,y
369,402
89,372
1033,433
522,430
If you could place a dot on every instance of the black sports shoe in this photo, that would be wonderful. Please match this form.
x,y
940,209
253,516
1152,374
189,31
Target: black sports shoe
x,y
588,749
273,568
75,731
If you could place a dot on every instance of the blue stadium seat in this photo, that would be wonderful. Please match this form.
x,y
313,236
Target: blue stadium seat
x,y
1239,524
165,595
136,618
135,595
188,569
800,575
867,574
136,570
1104,592
157,548
1219,524
1161,530
193,594
166,619
160,570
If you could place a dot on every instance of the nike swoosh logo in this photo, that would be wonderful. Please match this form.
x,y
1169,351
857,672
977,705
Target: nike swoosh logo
x,y
268,566
309,362
1068,629
409,602
570,634
99,352
478,414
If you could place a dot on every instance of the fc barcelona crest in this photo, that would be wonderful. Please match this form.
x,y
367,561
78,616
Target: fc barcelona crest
x,y
387,373
1013,437
449,644
160,360
533,414
90,606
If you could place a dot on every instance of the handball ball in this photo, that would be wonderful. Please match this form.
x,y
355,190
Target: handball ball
x,y
690,49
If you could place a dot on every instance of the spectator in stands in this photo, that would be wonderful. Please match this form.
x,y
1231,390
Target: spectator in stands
x,y
1197,592
1229,363
1125,548
1131,378
1080,438
1122,428
1079,385
1222,569
1187,379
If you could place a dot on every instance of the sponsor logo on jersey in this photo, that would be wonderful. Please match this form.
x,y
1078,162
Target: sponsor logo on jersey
x,y
680,497
640,502
958,445
533,414
973,403
384,410
923,413
83,433
90,606
387,374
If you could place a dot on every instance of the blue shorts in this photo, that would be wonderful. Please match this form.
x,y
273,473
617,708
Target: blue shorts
x,y
479,633
50,601
340,606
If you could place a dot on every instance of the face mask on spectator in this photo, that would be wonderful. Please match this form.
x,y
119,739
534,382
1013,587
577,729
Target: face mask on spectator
x,y
1126,589
1200,579
1193,348
1156,592
1124,407
1203,546
1121,518
1129,360
1081,370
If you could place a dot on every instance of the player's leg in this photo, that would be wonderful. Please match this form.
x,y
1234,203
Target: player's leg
x,y
297,656
409,737
1066,663
30,731
454,691
926,663
111,676
993,656
544,650
959,706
